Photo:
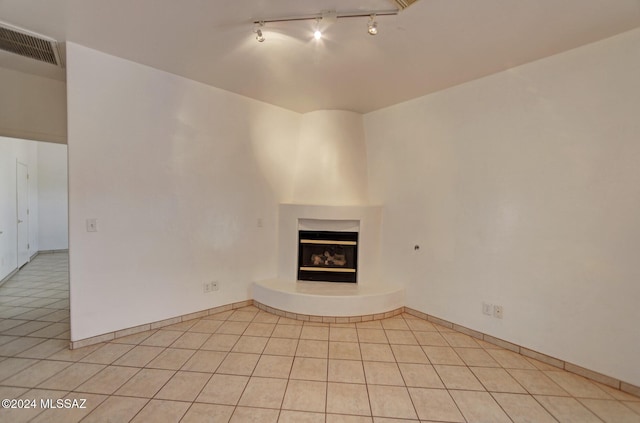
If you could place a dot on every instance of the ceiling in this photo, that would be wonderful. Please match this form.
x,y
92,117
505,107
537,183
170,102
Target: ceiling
x,y
432,45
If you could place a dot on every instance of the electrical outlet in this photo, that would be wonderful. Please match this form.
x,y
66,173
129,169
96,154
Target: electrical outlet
x,y
498,311
92,225
215,285
487,308
206,287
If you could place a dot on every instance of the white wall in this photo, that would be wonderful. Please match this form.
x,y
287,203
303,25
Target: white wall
x,y
52,197
523,189
177,174
12,151
32,107
331,166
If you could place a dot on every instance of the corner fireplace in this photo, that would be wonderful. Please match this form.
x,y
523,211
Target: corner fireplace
x,y
327,256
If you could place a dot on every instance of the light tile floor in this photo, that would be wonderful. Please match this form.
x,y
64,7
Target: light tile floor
x,y
250,366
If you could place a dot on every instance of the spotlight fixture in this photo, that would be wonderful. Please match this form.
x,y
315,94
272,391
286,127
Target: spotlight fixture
x,y
259,37
372,26
317,34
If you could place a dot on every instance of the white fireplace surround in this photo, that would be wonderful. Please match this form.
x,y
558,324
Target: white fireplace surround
x,y
370,295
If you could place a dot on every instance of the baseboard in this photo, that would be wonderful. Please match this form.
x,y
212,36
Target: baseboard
x,y
65,250
9,276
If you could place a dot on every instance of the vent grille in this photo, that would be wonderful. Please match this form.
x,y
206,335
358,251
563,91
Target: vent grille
x,y
28,44
403,4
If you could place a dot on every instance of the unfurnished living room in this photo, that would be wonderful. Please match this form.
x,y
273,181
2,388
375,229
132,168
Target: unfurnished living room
x,y
331,211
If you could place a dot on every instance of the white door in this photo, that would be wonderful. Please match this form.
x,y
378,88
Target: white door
x,y
22,194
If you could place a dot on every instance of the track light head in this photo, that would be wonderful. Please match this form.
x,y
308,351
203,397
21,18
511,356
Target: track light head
x,y
372,26
259,37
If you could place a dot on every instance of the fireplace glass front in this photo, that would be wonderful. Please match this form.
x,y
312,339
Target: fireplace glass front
x,y
328,256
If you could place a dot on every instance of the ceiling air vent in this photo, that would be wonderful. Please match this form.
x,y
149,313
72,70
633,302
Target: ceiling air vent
x,y
403,4
29,44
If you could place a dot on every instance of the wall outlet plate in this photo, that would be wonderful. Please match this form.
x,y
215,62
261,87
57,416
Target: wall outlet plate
x,y
498,311
487,309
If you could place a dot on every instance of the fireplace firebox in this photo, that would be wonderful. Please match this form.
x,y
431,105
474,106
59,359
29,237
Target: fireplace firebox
x,y
328,256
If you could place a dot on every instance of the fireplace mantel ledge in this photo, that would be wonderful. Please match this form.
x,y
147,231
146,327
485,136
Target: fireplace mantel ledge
x,y
328,298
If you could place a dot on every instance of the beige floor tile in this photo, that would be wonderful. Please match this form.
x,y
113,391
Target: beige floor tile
x,y
183,386
347,371
380,373
139,356
274,366
223,389
242,316
348,398
223,315
567,410
312,348
15,347
394,323
435,404
260,329
617,394
116,409
229,328
204,361
479,407
344,350
372,324
161,411
536,382
146,383
75,355
420,325
577,386
510,360
208,413
458,377
162,338
288,416
456,339
171,359
211,326
37,373
220,342
377,352
318,333
344,418
107,354
476,357
11,366
182,326
611,411
442,355
191,340
134,339
239,364
304,395
634,405
281,346
45,349
264,317
523,408
72,376
497,380
263,392
51,331
250,344
391,401
338,334
372,336
287,331
309,369
401,337
287,321
409,354
254,415
108,380
420,375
